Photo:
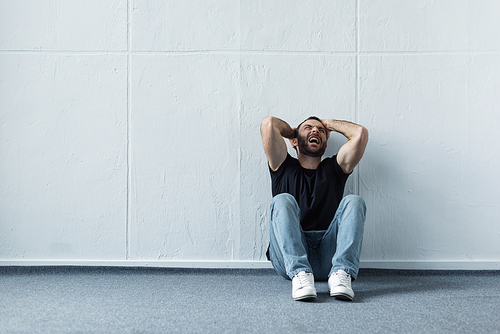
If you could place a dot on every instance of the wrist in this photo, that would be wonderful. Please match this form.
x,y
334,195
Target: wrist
x,y
329,124
289,133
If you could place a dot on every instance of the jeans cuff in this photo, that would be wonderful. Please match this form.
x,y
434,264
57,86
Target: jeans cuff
x,y
295,272
353,274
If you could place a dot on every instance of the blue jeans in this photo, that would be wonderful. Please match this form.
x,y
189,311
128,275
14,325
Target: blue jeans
x,y
321,253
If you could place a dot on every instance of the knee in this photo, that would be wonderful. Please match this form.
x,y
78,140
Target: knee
x,y
284,200
355,202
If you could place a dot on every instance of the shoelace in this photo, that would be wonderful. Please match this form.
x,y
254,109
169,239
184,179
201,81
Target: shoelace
x,y
344,279
305,279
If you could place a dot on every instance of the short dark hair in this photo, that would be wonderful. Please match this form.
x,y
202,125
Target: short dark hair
x,y
298,127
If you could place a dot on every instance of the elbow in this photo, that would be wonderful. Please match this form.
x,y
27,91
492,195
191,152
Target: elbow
x,y
363,135
268,120
267,124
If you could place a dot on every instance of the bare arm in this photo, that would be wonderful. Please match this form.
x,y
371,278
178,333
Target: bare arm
x,y
351,152
273,130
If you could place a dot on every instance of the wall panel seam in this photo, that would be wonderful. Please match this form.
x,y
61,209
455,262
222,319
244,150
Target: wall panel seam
x,y
127,220
249,52
356,89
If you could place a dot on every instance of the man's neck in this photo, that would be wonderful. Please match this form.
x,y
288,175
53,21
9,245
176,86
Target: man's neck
x,y
308,162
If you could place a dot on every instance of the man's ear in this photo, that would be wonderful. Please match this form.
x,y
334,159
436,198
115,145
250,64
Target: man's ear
x,y
294,142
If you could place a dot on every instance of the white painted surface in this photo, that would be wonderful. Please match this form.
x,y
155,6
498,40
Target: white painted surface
x,y
90,25
185,25
129,130
298,25
184,157
63,165
419,25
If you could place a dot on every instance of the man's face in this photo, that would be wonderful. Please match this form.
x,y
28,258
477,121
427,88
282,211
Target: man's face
x,y
312,138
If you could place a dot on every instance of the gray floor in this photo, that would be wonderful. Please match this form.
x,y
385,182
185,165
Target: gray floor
x,y
134,300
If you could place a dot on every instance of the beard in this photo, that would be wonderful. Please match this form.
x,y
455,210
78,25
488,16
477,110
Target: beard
x,y
304,148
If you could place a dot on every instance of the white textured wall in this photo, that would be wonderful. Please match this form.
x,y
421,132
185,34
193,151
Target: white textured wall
x,y
129,130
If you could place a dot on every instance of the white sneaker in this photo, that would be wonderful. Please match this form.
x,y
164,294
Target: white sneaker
x,y
303,286
339,284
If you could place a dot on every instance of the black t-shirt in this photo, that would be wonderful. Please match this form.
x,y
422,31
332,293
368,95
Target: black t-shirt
x,y
317,192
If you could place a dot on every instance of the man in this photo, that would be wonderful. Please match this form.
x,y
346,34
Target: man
x,y
314,232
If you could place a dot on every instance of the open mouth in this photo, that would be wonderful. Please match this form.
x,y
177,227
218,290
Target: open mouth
x,y
314,140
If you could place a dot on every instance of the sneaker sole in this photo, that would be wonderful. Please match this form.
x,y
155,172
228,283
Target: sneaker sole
x,y
305,298
342,296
